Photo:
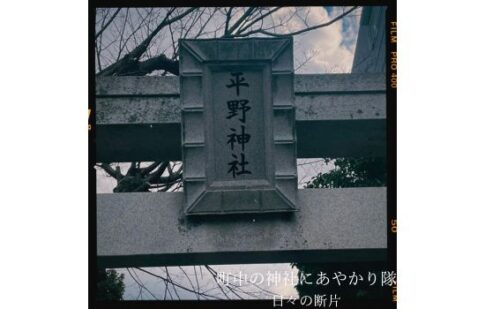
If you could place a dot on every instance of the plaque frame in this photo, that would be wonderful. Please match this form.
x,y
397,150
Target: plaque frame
x,y
199,59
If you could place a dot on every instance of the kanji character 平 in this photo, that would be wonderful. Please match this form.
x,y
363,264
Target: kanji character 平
x,y
237,82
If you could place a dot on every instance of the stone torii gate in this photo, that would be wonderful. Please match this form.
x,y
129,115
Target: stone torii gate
x,y
337,115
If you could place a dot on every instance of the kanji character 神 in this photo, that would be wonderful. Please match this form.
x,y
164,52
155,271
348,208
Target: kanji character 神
x,y
241,139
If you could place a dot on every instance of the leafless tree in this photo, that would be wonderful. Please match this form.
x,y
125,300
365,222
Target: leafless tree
x,y
144,41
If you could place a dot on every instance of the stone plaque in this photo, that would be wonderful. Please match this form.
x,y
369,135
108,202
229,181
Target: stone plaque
x,y
238,126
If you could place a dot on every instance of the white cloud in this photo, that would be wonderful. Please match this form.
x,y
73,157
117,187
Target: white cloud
x,y
335,46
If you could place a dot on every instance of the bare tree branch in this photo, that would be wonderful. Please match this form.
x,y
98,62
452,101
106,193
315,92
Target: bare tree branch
x,y
310,28
108,169
246,14
150,168
228,19
176,284
130,64
141,44
242,29
140,284
107,24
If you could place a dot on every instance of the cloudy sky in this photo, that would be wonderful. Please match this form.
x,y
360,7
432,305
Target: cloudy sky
x,y
333,46
329,48
325,50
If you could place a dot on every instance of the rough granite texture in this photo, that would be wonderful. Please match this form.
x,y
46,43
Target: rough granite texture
x,y
154,224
